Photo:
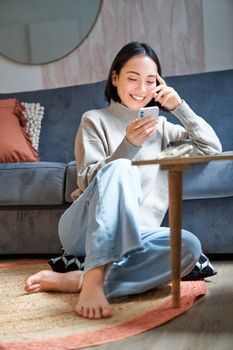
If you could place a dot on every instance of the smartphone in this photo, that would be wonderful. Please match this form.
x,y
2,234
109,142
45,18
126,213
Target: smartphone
x,y
148,112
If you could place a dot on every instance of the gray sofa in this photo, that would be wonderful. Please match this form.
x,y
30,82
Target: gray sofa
x,y
34,195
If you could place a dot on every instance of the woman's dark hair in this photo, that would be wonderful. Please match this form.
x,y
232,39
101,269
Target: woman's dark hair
x,y
124,55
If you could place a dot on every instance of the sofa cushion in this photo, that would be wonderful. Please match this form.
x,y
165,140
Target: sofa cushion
x,y
71,181
15,142
32,183
209,180
64,108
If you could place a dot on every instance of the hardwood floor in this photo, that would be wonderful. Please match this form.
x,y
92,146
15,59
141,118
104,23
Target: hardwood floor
x,y
207,326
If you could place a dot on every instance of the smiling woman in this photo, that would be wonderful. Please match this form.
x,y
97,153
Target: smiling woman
x,y
37,32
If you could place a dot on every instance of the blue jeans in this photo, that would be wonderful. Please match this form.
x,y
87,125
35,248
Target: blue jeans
x,y
103,224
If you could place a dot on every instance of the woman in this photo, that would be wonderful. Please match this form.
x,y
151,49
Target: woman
x,y
118,208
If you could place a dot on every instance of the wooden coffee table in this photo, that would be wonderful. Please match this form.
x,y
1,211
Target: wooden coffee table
x,y
175,168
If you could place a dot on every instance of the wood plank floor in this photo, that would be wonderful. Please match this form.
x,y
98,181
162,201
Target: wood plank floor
x,y
207,326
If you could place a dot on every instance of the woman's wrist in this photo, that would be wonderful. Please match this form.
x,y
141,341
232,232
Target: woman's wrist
x,y
177,106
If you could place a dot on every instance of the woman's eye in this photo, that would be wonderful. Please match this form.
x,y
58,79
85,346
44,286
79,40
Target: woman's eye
x,y
132,79
151,82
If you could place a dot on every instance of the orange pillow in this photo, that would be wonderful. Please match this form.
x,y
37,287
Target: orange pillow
x,y
15,143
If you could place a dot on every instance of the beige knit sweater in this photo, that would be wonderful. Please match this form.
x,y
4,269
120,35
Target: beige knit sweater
x,y
101,139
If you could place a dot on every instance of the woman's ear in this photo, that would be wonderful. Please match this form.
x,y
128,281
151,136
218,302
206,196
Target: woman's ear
x,y
114,78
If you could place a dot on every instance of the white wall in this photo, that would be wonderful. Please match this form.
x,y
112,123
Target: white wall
x,y
218,34
19,77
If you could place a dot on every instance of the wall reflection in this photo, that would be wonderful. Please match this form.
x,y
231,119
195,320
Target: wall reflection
x,y
37,32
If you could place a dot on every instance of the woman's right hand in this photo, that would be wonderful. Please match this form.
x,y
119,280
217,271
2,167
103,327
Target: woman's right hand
x,y
140,130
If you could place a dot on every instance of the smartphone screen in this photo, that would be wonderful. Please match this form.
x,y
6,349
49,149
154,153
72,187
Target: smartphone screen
x,y
148,112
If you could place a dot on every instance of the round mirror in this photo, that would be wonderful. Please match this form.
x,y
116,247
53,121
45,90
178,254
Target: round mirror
x,y
41,31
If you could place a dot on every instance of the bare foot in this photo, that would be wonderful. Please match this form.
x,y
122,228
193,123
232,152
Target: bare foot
x,y
48,280
92,302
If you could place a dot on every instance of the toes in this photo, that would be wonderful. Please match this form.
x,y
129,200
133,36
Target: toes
x,y
93,313
88,312
85,312
106,312
33,288
30,283
78,310
97,313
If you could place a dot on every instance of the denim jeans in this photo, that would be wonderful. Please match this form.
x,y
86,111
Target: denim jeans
x,y
103,224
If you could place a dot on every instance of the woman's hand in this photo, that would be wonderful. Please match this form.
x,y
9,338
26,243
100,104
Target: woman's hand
x,y
140,130
166,95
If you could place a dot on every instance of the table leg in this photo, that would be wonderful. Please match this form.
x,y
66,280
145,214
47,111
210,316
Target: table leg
x,y
175,222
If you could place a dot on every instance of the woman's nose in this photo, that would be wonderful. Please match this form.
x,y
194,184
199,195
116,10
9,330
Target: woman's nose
x,y
142,87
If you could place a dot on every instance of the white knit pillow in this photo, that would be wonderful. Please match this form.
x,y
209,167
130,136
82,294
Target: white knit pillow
x,y
34,113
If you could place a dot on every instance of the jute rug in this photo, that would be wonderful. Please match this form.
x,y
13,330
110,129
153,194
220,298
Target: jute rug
x,y
47,320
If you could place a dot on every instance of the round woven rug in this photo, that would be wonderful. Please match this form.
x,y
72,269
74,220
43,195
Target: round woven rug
x,y
47,320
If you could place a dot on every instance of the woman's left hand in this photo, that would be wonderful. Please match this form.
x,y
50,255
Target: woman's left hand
x,y
166,95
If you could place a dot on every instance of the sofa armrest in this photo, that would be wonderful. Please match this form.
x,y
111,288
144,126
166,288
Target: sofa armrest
x,y
71,181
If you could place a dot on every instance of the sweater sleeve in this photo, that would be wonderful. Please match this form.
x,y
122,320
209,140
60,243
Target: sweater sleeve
x,y
92,151
195,128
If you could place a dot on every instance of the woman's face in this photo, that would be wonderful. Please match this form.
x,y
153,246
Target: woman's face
x,y
136,80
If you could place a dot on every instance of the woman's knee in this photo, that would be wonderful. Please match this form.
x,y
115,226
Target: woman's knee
x,y
119,166
191,246
120,172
